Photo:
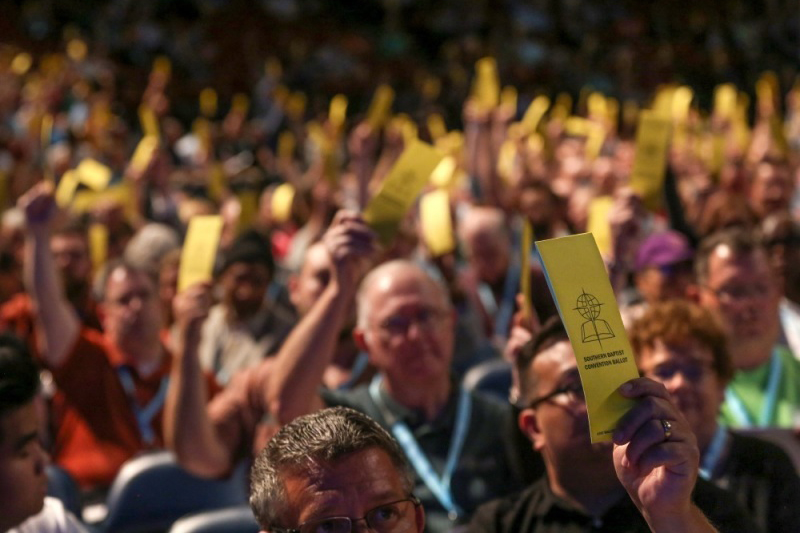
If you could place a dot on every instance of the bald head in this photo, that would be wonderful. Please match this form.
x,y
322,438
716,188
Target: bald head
x,y
391,276
487,243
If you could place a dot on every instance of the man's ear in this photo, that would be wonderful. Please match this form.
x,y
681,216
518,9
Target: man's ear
x,y
359,335
291,287
529,425
419,516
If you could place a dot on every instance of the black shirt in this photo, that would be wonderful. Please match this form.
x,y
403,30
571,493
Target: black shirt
x,y
538,510
484,469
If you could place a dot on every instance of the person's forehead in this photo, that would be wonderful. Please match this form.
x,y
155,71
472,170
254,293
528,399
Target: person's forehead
x,y
124,280
329,488
15,424
724,262
404,283
316,260
63,241
690,349
553,362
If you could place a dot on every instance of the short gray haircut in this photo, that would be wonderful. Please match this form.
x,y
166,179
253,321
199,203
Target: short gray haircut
x,y
310,443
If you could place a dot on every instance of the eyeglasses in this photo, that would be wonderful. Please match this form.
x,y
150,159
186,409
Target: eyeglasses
x,y
393,517
573,392
738,294
426,318
694,372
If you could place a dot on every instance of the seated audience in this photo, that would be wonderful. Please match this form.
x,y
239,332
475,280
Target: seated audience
x,y
680,345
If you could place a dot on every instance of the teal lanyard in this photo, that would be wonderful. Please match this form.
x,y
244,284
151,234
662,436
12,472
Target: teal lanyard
x,y
144,415
439,486
714,452
736,404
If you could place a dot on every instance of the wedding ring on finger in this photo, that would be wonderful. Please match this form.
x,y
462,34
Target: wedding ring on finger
x,y
667,426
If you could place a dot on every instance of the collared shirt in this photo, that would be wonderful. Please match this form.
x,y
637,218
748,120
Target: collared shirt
x,y
226,348
484,468
763,479
750,386
538,510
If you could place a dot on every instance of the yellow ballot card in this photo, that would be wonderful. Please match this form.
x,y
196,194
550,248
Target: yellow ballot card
x,y
248,209
98,245
144,153
199,250
649,164
585,300
148,121
337,111
93,174
208,102
380,107
487,83
281,204
437,225
525,269
400,188
66,188
598,225
533,115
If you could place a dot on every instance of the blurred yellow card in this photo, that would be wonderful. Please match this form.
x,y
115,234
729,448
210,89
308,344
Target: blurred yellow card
x,y
199,250
281,204
400,188
66,188
649,164
487,83
380,107
208,102
525,269
437,225
533,115
144,153
248,209
337,112
98,245
585,300
148,121
598,225
93,174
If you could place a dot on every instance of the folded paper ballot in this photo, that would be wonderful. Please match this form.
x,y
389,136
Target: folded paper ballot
x,y
582,291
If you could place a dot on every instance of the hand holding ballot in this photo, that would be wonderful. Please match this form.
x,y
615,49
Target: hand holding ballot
x,y
656,456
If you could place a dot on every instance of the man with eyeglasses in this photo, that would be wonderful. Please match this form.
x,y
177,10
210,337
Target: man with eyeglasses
x,y
739,287
405,322
780,235
653,457
681,345
334,471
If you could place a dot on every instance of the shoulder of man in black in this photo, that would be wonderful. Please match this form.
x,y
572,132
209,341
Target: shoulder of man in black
x,y
722,509
759,471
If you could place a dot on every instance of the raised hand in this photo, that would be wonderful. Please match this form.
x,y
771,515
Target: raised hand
x,y
655,453
351,245
39,207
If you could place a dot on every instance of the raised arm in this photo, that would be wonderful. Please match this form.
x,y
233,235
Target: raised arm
x,y
188,430
57,324
308,350
657,460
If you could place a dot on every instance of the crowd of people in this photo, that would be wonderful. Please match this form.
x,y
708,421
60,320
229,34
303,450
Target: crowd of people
x,y
113,139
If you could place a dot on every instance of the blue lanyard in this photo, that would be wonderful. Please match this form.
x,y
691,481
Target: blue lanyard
x,y
714,452
770,399
359,366
504,310
439,486
144,415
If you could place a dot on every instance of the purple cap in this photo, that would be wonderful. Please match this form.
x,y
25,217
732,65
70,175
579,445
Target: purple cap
x,y
662,249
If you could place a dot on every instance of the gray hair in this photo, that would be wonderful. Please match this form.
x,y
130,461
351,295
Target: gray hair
x,y
309,443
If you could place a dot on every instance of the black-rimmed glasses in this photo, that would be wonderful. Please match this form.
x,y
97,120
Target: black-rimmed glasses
x,y
392,517
573,392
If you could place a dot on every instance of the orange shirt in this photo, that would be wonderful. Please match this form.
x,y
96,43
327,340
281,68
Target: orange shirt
x,y
94,419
